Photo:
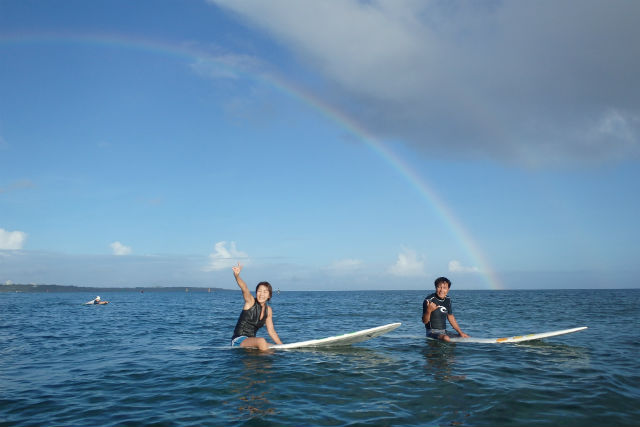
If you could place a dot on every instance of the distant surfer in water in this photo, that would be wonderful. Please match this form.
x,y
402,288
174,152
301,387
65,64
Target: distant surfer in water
x,y
97,300
255,314
436,309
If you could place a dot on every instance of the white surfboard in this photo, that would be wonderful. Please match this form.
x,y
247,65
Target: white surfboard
x,y
341,340
517,338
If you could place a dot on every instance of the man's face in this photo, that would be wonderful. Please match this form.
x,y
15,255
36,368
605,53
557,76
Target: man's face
x,y
442,290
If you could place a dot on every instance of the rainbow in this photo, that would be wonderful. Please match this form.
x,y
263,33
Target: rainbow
x,y
230,68
406,171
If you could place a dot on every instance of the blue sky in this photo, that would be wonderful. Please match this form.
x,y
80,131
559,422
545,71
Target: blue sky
x,y
324,145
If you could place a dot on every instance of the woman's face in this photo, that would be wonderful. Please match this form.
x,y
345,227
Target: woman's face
x,y
262,294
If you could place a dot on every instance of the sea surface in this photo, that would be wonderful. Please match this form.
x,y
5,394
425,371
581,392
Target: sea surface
x,y
163,359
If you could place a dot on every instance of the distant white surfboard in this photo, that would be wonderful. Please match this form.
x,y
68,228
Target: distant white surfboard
x,y
516,338
341,340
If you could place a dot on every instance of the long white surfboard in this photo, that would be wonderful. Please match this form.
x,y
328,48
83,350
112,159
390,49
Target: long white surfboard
x,y
341,340
517,338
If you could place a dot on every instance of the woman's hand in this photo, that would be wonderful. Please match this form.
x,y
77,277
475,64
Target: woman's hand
x,y
236,269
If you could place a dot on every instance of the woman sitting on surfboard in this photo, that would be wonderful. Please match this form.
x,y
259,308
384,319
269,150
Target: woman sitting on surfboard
x,y
255,314
436,309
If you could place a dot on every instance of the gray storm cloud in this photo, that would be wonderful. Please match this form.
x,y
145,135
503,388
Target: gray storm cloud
x,y
544,82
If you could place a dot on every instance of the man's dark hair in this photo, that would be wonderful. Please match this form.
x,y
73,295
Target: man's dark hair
x,y
442,280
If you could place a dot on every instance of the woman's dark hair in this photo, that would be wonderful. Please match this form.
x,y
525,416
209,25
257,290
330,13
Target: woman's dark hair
x,y
268,285
442,280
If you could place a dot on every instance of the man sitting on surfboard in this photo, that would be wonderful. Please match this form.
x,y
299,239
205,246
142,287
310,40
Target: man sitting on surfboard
x,y
97,300
436,309
255,314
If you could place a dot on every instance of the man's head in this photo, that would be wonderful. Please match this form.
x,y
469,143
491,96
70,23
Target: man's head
x,y
442,285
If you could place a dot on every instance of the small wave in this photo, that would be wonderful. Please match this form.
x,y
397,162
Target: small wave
x,y
186,347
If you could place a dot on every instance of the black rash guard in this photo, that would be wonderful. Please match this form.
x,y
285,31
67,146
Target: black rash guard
x,y
439,315
249,321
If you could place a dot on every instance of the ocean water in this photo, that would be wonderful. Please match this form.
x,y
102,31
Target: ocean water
x,y
163,359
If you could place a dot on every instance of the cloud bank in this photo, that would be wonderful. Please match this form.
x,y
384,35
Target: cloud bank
x,y
168,270
533,83
12,240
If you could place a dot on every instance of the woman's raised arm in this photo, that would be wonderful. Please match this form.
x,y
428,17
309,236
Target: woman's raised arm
x,y
246,293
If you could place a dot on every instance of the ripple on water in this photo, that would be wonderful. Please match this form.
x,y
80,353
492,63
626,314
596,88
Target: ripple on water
x,y
168,363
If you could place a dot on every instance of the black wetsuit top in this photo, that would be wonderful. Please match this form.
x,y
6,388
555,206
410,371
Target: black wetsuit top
x,y
249,321
438,316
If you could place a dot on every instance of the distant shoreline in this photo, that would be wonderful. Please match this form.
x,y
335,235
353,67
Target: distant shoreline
x,y
95,289
19,288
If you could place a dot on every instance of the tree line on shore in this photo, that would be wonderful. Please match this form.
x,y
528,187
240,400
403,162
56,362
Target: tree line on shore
x,y
94,289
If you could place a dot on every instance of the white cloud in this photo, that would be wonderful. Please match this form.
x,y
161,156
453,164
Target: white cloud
x,y
224,258
345,266
12,240
618,128
17,185
516,81
120,249
409,264
457,267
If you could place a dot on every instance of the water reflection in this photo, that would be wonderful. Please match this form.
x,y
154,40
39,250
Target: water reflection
x,y
561,355
254,385
362,357
440,358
